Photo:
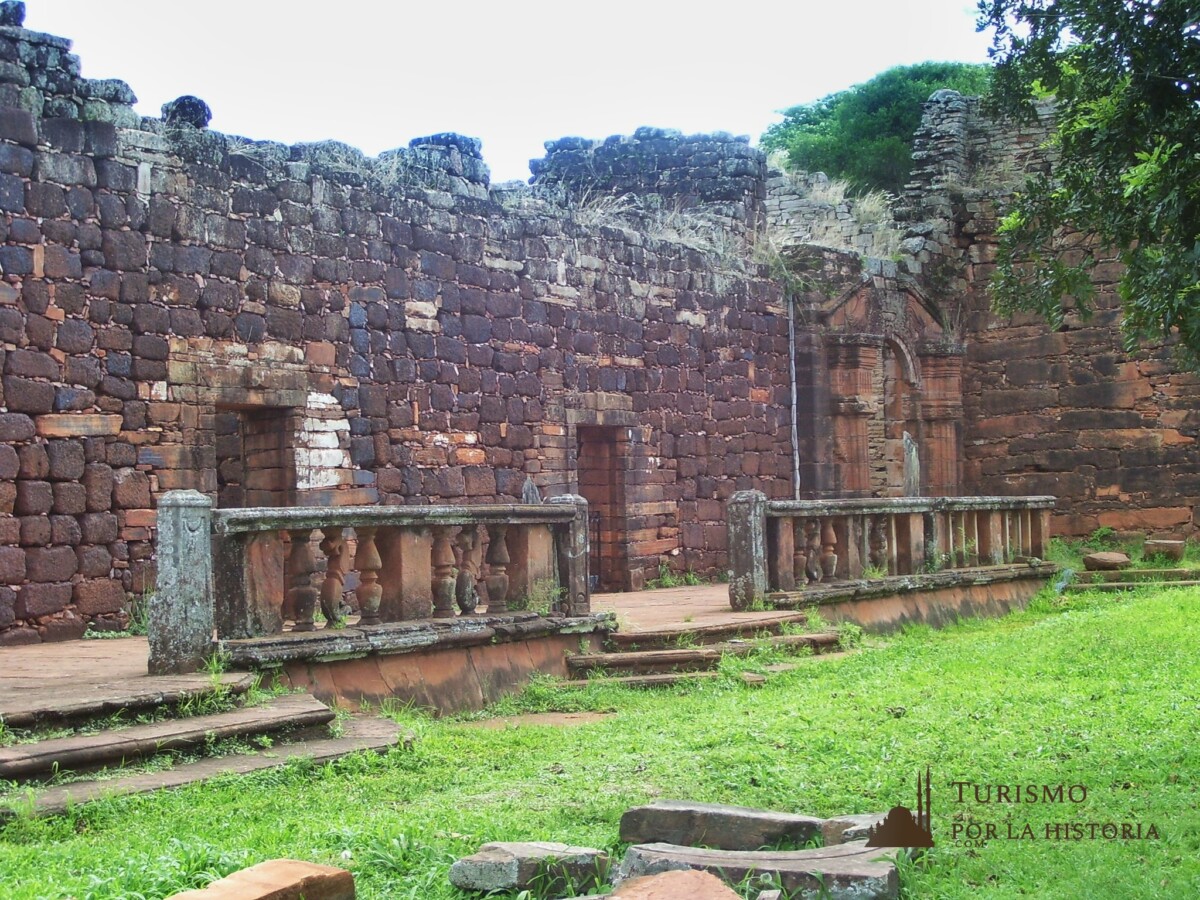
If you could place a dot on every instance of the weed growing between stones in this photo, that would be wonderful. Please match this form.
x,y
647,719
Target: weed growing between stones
x,y
543,596
850,635
669,579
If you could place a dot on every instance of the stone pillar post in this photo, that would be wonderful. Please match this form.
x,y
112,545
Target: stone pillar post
x,y
573,552
180,625
746,521
1040,535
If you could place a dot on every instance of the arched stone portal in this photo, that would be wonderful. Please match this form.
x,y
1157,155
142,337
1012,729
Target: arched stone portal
x,y
892,369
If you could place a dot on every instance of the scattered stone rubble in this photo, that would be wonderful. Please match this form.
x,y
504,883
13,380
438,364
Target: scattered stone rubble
x,y
730,842
515,866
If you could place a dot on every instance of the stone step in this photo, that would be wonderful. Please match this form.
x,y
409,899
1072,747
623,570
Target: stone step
x,y
95,701
360,734
669,638
1144,574
118,747
850,871
664,679
1111,586
644,662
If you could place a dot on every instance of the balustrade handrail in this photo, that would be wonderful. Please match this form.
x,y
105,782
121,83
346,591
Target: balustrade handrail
x,y
785,545
885,505
226,570
251,520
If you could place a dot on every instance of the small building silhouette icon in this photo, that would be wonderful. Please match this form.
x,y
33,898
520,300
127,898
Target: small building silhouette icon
x,y
901,827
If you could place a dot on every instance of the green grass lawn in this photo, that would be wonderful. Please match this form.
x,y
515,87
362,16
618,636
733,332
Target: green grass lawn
x,y
1102,692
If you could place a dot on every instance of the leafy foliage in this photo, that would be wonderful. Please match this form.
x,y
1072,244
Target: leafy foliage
x,y
864,134
1123,75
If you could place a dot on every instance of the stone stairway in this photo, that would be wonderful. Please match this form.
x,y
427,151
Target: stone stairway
x,y
54,773
670,655
1129,579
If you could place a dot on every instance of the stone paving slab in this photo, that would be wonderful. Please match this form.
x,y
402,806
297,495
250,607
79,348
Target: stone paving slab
x,y
46,683
117,747
715,825
360,734
680,609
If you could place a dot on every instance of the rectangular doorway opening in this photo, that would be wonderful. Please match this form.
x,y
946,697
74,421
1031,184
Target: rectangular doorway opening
x,y
256,460
601,465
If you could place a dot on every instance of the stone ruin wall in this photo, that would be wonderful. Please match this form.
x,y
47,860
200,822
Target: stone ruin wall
x,y
1112,435
411,337
801,208
1068,413
172,297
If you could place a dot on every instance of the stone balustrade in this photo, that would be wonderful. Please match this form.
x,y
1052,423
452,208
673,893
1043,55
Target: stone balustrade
x,y
786,545
243,573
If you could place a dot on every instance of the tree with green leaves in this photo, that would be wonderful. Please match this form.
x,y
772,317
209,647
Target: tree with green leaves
x,y
1124,78
864,134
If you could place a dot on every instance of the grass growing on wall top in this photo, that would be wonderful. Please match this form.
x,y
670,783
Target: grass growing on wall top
x,y
1095,691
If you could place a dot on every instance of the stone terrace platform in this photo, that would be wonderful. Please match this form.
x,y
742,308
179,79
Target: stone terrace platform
x,y
49,681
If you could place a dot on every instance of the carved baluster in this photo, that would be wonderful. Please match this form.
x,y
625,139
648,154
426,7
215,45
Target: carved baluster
x,y
443,573
497,560
368,563
799,553
466,594
879,543
812,546
828,550
302,596
333,546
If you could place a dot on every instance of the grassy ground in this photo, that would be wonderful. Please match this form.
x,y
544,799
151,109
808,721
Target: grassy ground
x,y
1099,692
1069,552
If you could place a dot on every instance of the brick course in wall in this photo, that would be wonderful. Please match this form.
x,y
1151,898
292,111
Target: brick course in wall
x,y
183,309
301,324
1113,435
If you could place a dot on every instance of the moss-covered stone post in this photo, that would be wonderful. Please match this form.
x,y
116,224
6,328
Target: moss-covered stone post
x,y
746,520
572,551
180,620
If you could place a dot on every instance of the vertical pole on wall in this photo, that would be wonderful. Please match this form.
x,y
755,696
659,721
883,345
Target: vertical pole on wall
x,y
180,619
791,302
746,521
573,553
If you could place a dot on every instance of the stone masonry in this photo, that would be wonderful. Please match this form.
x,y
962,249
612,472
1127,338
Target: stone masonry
x,y
279,325
183,309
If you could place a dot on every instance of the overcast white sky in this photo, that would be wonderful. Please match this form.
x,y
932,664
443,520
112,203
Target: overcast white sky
x,y
512,72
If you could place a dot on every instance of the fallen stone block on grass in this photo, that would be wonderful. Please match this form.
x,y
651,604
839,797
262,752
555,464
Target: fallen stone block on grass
x,y
691,884
1172,550
715,825
1106,561
278,879
845,829
851,871
551,868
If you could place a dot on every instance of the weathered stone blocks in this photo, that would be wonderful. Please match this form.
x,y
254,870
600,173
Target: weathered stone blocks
x,y
279,879
515,866
715,825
